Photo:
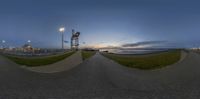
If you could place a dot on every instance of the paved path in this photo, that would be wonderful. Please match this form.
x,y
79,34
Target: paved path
x,y
101,78
63,65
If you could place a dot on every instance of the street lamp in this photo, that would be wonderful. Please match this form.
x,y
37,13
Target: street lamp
x,y
62,30
29,41
3,41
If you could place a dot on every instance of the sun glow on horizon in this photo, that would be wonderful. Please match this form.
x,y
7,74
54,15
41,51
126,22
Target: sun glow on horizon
x,y
102,45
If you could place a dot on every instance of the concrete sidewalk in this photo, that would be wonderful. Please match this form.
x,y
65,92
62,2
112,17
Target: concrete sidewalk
x,y
60,66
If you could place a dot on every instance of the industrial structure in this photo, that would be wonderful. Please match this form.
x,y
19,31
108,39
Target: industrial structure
x,y
75,40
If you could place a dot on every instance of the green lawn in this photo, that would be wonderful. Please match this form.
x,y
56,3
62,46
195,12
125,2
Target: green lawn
x,y
38,61
146,62
87,54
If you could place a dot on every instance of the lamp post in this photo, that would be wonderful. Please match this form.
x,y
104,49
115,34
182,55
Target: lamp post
x,y
3,41
62,30
29,41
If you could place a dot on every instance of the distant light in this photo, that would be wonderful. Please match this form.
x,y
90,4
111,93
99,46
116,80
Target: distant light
x,y
62,29
3,41
29,41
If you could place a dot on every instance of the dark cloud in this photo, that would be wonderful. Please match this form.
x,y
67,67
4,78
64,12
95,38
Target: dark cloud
x,y
110,47
146,45
143,43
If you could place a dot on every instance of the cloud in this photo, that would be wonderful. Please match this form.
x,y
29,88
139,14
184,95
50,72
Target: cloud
x,y
143,44
110,47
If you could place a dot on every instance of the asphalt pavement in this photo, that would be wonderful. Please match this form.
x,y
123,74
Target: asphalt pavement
x,y
102,78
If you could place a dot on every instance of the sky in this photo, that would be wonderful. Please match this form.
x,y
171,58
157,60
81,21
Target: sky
x,y
102,23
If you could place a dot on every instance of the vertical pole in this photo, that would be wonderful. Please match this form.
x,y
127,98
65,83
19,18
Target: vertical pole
x,y
62,40
72,39
71,42
76,43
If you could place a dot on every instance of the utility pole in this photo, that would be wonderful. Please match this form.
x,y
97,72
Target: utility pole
x,y
62,30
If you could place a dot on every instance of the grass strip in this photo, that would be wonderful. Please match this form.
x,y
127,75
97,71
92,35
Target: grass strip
x,y
38,61
87,54
147,62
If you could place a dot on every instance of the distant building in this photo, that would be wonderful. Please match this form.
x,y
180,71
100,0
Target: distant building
x,y
27,48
